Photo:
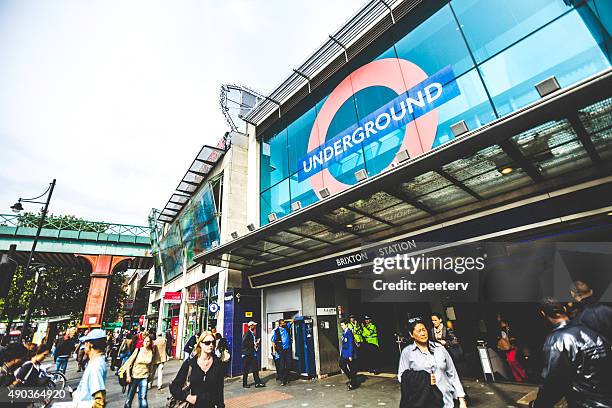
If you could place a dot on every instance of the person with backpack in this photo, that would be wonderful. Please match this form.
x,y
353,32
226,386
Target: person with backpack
x,y
28,375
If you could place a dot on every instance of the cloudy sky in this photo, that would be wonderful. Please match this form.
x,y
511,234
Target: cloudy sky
x,y
115,98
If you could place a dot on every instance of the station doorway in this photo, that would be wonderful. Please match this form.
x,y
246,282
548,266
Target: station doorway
x,y
472,324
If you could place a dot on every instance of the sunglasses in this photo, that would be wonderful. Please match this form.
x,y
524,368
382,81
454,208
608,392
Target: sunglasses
x,y
208,342
415,320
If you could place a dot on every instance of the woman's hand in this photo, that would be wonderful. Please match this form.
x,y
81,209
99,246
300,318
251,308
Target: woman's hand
x,y
128,379
462,403
191,399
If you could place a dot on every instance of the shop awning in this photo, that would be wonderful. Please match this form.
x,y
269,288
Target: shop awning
x,y
559,141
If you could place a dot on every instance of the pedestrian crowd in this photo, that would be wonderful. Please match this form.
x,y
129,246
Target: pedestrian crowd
x,y
577,358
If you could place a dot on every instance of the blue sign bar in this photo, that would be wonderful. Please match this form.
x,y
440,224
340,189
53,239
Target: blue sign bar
x,y
406,107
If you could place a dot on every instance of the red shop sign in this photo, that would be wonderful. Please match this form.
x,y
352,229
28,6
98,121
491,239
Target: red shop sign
x,y
172,297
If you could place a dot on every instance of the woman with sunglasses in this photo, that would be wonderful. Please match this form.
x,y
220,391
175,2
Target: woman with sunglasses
x,y
205,372
429,361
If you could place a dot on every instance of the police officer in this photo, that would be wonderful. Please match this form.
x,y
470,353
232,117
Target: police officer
x,y
282,346
370,337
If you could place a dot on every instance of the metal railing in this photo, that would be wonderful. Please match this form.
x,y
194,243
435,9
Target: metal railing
x,y
69,224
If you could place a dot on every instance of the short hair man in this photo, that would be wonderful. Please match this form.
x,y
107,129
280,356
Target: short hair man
x,y
348,355
577,363
589,311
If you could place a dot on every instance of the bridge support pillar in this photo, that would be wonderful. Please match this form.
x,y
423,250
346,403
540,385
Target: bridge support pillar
x,y
102,267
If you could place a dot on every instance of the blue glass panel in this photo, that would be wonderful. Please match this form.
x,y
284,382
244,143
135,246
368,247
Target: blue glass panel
x,y
472,106
435,44
598,17
604,12
379,154
172,252
303,191
276,199
199,223
565,49
344,169
274,162
492,25
298,135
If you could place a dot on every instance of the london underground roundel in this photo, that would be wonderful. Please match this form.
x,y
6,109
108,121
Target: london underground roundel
x,y
414,109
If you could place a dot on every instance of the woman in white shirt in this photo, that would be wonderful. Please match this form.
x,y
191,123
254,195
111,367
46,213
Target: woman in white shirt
x,y
431,357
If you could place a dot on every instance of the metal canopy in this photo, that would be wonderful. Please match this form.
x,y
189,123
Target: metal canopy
x,y
191,181
561,140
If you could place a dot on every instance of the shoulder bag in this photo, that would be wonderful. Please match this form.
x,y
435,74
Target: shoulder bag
x,y
176,403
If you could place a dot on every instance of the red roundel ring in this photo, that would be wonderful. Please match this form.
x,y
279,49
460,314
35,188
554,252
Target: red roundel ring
x,y
396,74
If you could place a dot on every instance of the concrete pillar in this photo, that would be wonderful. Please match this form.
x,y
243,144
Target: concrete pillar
x,y
102,267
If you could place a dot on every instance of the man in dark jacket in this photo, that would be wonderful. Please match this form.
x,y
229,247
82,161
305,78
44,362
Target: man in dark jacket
x,y
577,363
249,351
64,347
188,349
590,312
347,355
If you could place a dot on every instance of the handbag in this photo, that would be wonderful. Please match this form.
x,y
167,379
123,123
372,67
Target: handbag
x,y
225,356
504,344
123,377
176,403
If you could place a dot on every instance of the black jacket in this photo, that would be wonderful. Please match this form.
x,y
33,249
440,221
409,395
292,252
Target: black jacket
x,y
595,316
417,391
577,366
190,344
208,389
248,343
65,346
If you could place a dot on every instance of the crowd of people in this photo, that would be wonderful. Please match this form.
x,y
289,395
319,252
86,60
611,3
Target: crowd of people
x,y
577,359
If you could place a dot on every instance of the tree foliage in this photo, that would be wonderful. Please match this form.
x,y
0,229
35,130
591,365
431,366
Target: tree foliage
x,y
61,291
69,222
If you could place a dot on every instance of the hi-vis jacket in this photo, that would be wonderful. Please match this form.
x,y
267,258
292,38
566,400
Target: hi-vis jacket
x,y
370,334
357,331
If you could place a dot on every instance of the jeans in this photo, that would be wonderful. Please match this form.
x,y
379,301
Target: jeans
x,y
141,385
61,363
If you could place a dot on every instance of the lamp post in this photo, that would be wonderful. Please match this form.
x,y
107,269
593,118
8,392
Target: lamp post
x,y
17,207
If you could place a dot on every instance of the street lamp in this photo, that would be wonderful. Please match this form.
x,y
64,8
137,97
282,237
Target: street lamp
x,y
17,207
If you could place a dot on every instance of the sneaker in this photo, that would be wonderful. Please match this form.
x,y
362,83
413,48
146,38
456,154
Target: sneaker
x,y
260,385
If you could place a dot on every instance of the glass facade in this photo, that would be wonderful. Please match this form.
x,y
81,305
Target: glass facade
x,y
196,229
497,50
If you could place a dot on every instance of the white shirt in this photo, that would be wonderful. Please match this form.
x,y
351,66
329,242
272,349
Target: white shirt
x,y
439,363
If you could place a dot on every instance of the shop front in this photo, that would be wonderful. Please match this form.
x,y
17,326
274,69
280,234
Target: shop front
x,y
199,298
435,137
171,317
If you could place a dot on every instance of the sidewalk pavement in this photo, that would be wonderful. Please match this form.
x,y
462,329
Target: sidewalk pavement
x,y
381,390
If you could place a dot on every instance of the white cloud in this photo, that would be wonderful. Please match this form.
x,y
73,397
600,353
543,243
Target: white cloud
x,y
115,98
